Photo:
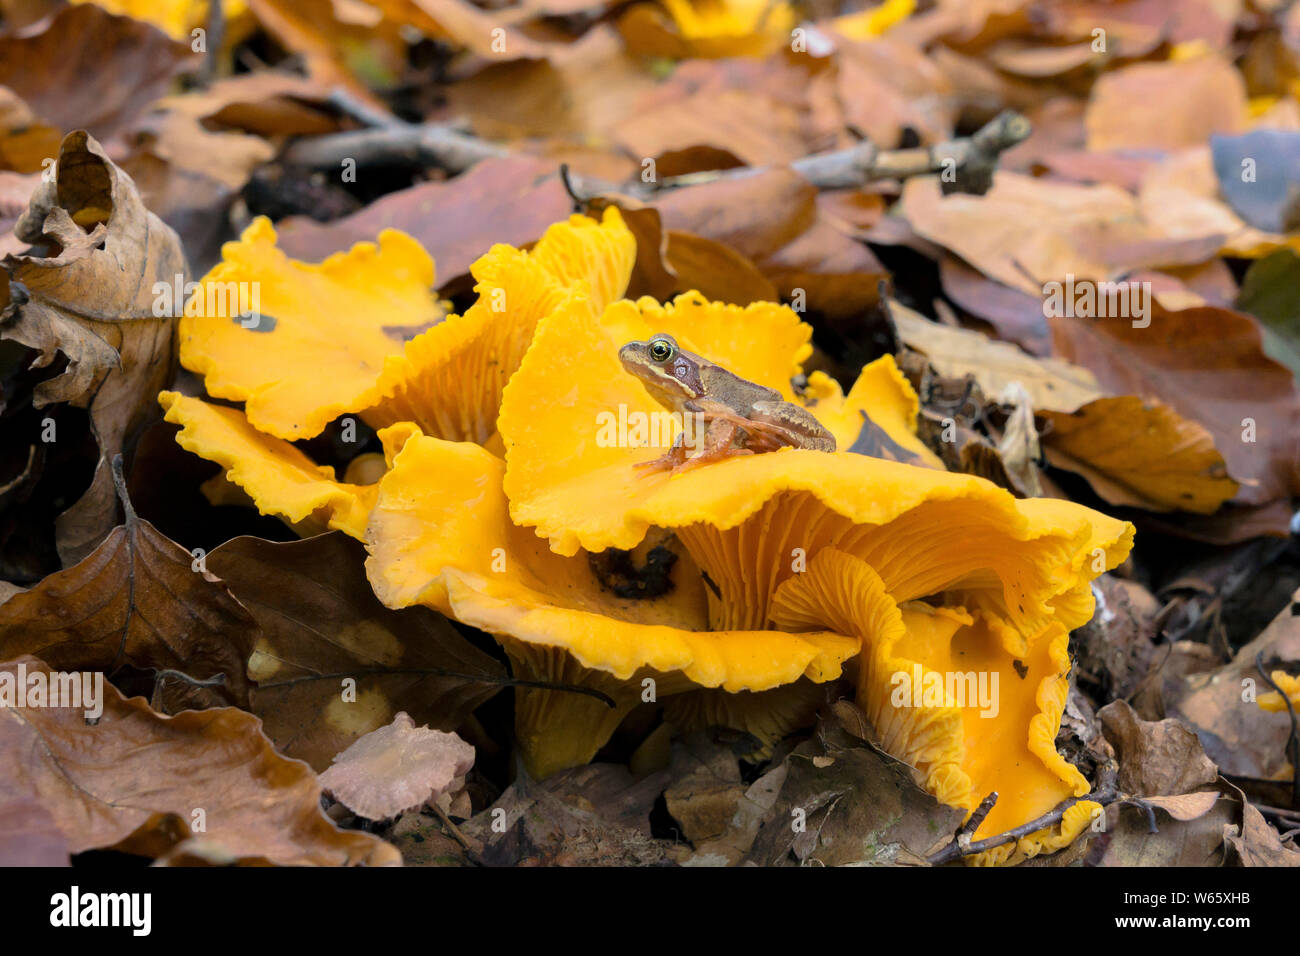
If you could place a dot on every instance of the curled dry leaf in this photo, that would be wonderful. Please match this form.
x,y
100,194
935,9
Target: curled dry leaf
x,y
1255,843
1133,451
94,300
320,624
1026,232
1156,757
1209,366
137,600
136,781
1239,736
131,62
399,767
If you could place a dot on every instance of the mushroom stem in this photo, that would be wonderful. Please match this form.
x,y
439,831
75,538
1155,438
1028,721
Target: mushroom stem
x,y
555,731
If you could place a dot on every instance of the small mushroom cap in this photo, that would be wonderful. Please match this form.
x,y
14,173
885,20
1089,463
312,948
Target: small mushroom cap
x,y
397,767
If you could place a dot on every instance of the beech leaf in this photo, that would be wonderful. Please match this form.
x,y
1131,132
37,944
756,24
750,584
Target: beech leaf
x,y
139,600
321,624
140,782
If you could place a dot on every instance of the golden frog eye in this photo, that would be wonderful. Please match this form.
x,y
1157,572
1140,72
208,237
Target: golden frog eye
x,y
661,350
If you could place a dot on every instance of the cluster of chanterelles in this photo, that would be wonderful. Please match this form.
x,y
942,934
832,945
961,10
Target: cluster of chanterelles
x,y
795,561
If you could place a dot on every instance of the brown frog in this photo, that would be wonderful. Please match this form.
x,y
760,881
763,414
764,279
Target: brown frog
x,y
741,417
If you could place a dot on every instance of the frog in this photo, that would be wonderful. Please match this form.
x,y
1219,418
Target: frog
x,y
740,417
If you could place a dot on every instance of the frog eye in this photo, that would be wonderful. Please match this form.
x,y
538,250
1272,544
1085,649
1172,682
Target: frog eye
x,y
660,350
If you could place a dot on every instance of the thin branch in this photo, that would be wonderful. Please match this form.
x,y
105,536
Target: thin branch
x,y
216,680
967,830
394,145
1105,794
1146,808
471,853
965,164
363,113
1293,741
215,38
1280,813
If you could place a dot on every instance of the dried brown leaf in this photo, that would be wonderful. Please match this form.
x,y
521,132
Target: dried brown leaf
x,y
510,200
1208,365
1166,105
320,624
90,69
1156,758
94,301
1255,843
138,600
136,781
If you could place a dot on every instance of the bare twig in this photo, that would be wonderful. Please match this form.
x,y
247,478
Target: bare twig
x,y
965,165
365,114
394,145
1104,794
566,178
216,680
453,829
1279,813
1292,741
216,36
967,829
1146,808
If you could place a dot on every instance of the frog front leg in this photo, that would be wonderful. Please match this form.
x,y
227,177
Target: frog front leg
x,y
719,443
672,459
723,439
